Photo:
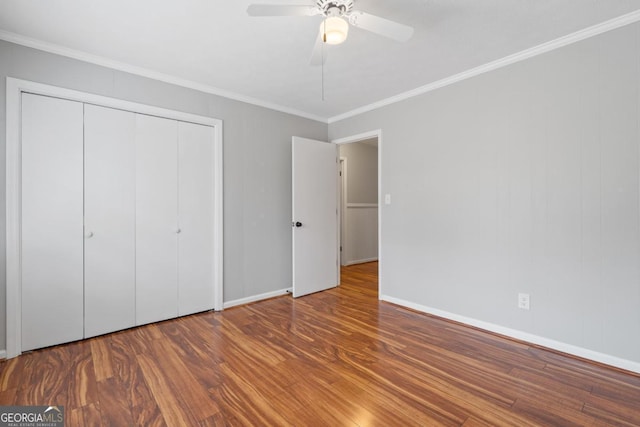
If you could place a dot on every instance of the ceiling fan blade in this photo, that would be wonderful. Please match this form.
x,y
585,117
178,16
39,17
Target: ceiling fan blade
x,y
281,10
382,26
319,54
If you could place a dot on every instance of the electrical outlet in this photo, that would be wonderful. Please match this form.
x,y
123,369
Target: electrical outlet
x,y
523,301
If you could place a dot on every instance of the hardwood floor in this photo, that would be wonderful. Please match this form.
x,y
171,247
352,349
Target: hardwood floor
x,y
336,358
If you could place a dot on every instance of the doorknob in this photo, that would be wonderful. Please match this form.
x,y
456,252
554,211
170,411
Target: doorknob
x,y
296,224
178,231
89,234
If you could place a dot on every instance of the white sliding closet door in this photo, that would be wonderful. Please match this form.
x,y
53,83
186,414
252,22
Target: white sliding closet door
x,y
52,244
109,173
196,213
156,219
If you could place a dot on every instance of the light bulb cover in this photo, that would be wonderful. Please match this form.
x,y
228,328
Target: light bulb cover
x,y
334,30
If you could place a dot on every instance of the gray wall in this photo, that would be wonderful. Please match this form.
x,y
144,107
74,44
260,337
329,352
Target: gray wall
x,y
362,172
523,179
257,163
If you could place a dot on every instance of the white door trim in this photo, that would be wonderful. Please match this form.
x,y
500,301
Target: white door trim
x,y
361,137
15,88
342,226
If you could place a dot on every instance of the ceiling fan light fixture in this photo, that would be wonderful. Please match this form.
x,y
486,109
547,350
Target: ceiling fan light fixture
x,y
334,30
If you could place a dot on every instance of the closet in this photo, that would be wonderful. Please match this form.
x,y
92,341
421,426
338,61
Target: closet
x,y
117,219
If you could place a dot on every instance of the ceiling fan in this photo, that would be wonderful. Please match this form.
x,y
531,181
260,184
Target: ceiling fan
x,y
337,15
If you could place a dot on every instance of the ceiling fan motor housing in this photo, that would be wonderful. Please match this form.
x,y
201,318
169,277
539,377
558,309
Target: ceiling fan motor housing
x,y
335,7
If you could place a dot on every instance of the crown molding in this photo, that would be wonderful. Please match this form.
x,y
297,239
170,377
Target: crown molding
x,y
145,72
575,37
586,33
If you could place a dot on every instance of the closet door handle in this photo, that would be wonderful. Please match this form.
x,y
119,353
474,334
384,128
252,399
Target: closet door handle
x,y
178,231
89,234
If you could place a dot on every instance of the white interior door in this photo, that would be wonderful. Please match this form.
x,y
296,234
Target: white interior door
x,y
195,217
156,219
52,244
109,210
315,215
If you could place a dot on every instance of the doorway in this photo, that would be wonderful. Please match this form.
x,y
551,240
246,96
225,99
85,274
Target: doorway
x,y
360,183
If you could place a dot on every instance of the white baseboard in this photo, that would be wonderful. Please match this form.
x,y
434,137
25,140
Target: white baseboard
x,y
360,261
255,298
584,353
3,354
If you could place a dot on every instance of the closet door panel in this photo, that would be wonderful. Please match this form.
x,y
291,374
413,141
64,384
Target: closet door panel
x,y
52,243
156,219
109,220
195,213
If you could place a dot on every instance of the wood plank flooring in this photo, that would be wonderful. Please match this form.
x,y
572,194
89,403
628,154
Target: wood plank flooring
x,y
336,358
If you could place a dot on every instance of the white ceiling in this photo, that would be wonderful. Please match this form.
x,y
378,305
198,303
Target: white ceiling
x,y
213,44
